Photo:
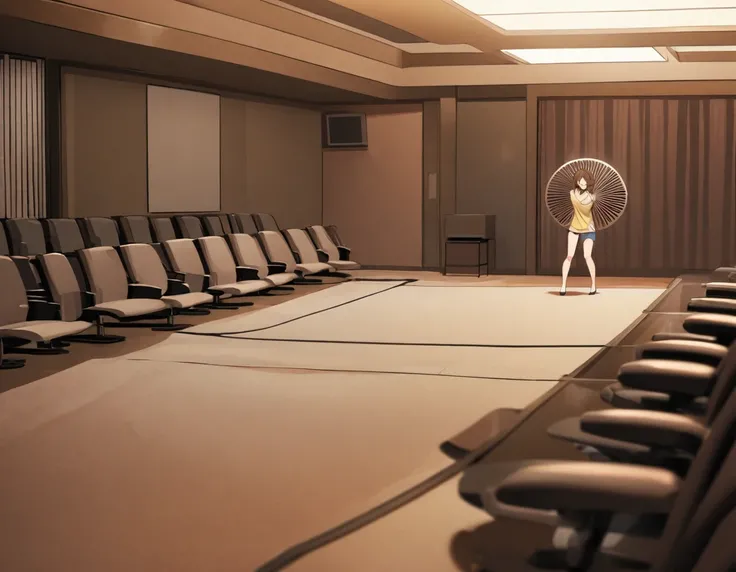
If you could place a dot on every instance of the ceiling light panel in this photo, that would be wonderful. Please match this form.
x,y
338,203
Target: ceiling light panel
x,y
586,55
695,49
576,15
546,6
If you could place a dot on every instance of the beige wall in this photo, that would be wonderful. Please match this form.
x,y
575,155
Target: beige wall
x,y
491,172
271,155
103,146
283,156
374,196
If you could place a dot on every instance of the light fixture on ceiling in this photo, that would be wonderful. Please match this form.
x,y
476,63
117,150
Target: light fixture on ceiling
x,y
586,55
696,49
576,15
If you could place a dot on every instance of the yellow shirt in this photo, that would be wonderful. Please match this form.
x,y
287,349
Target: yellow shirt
x,y
582,220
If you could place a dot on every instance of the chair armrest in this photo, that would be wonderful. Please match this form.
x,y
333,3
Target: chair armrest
x,y
720,326
175,287
708,353
712,305
682,336
88,299
276,267
720,290
194,282
591,487
322,256
37,293
21,260
43,309
668,376
243,273
651,428
144,291
344,252
724,273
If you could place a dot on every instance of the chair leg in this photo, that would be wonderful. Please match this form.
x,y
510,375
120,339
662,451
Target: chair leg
x,y
170,325
194,311
97,338
9,363
41,349
220,307
218,304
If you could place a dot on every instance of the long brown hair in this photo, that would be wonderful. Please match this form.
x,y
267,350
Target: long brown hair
x,y
587,175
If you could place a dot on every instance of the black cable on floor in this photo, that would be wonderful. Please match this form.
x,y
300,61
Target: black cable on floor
x,y
410,344
369,371
291,555
222,334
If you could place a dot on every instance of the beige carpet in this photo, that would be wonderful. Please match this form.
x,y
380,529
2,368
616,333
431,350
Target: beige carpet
x,y
505,363
416,537
123,465
296,308
478,316
205,453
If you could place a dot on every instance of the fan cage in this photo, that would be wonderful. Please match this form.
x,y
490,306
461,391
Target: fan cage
x,y
609,189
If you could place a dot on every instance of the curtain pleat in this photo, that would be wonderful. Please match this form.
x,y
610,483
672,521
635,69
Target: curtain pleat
x,y
22,138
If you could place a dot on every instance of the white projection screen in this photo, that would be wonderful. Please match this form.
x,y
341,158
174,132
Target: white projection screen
x,y
183,150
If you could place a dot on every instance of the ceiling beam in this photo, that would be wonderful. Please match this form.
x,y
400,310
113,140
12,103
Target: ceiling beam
x,y
437,21
127,29
303,26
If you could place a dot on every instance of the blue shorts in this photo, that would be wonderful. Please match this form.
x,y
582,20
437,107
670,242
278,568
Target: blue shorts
x,y
587,235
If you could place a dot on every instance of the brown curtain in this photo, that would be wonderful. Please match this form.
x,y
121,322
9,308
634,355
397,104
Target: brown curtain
x,y
677,158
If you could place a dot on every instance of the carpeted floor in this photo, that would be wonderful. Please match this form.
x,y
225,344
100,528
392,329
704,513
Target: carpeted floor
x,y
148,466
452,315
480,362
298,308
210,453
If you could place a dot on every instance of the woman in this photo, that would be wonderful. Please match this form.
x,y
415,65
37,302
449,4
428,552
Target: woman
x,y
582,226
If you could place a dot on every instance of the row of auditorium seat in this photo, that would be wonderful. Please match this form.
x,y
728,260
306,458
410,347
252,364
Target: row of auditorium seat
x,y
658,491
32,237
66,282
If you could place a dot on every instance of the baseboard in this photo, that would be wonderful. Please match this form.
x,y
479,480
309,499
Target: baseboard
x,y
491,272
640,273
497,271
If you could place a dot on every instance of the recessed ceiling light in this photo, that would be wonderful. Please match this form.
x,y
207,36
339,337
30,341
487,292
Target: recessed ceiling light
x,y
685,49
545,6
576,15
586,55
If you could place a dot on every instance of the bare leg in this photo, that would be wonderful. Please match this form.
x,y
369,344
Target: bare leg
x,y
572,244
588,254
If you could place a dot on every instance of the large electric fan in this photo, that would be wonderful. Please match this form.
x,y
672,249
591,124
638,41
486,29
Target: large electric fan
x,y
609,189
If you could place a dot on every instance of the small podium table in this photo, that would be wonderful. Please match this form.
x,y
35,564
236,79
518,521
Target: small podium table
x,y
481,244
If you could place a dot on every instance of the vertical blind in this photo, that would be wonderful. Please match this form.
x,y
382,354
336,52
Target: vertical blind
x,y
22,138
